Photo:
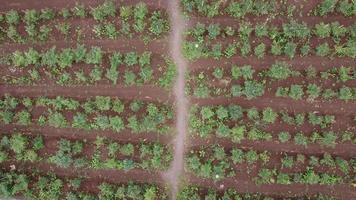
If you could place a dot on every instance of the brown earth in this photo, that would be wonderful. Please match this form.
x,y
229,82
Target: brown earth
x,y
344,110
150,93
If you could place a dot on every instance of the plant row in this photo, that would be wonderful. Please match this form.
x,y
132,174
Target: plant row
x,y
205,120
252,89
309,177
277,71
289,49
99,154
50,186
345,7
110,22
42,187
326,161
219,163
191,192
99,113
292,31
269,8
68,67
245,132
245,81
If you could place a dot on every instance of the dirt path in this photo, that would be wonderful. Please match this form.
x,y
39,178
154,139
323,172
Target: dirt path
x,y
144,93
107,175
174,174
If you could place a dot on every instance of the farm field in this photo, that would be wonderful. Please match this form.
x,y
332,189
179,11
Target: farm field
x,y
179,99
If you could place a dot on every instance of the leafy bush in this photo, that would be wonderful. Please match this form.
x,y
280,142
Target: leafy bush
x,y
12,17
322,30
284,137
31,17
323,49
265,176
18,143
346,93
279,71
47,14
313,91
269,115
57,120
245,71
296,30
260,50
23,118
296,92
326,6
290,49
79,10
101,12
94,56
253,89
300,139
140,12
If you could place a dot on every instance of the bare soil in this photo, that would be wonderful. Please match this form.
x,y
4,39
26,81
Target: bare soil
x,y
148,93
344,111
182,142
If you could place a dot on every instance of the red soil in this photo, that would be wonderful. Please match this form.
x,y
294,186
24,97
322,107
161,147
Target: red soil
x,y
141,93
150,93
147,93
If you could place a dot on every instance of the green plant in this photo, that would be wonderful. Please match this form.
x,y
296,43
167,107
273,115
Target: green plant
x,y
31,17
94,56
313,91
116,123
323,49
260,50
18,143
300,139
218,73
47,14
23,118
279,71
268,115
79,10
289,49
287,161
261,30
284,137
253,89
322,30
326,6
158,24
140,12
296,92
265,176
57,120
12,17
346,93
103,11
65,13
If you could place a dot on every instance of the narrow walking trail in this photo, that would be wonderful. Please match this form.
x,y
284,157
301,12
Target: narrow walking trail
x,y
176,171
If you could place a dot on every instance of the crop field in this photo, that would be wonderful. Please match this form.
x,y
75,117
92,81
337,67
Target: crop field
x,y
178,99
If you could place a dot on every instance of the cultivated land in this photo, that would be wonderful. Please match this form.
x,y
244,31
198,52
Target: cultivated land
x,y
179,99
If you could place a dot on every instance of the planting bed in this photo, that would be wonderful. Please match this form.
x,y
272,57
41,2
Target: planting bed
x,y
181,99
272,87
